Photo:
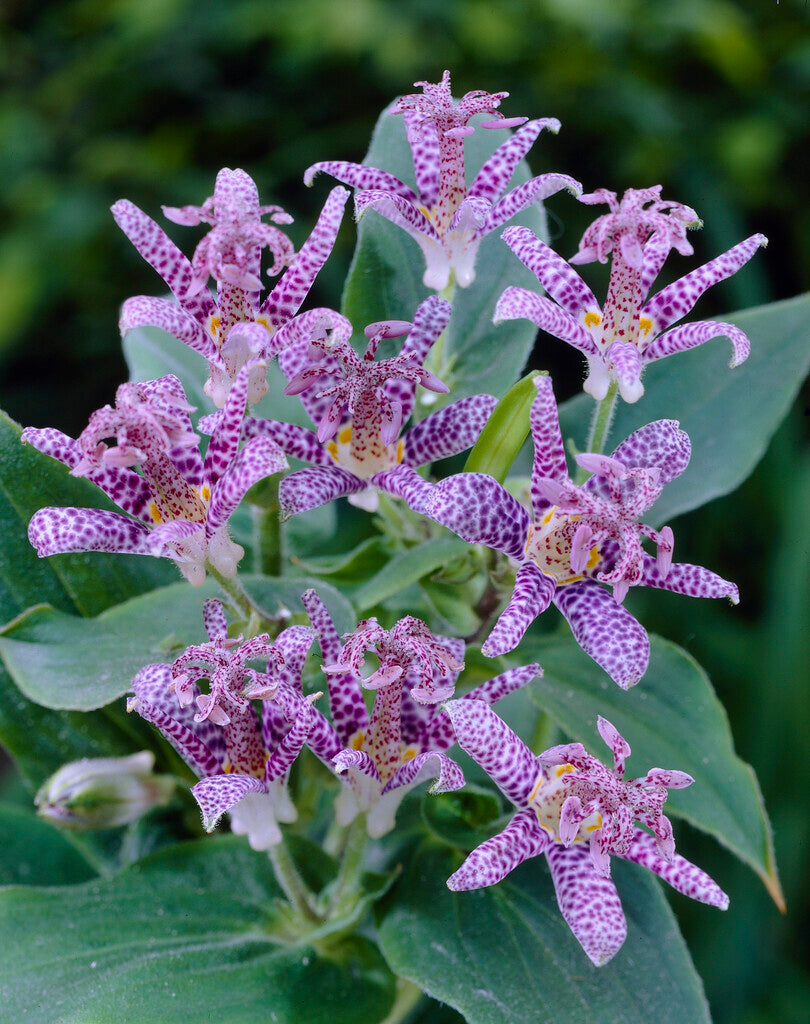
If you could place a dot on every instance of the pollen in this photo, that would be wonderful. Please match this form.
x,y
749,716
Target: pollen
x,y
345,435
645,325
356,742
213,324
594,319
205,492
154,511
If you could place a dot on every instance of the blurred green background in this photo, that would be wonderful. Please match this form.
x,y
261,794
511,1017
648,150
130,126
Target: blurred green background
x,y
149,98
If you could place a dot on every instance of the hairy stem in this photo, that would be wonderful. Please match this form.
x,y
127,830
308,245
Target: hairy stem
x,y
346,886
294,887
600,427
240,601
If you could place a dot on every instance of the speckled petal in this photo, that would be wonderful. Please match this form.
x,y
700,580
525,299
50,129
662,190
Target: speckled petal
x,y
520,304
692,580
405,213
589,903
497,171
494,859
533,593
448,431
316,485
691,335
681,874
259,458
286,298
298,442
533,191
495,747
658,445
429,320
219,793
281,759
549,453
294,644
625,360
53,531
359,176
226,435
144,311
605,631
429,765
480,511
556,275
674,302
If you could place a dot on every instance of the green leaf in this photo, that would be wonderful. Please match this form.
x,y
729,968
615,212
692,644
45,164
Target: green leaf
x,y
407,567
505,431
464,818
673,721
201,938
385,278
62,661
730,415
348,567
36,853
505,953
87,583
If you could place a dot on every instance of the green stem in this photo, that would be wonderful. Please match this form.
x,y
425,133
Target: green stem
x,y
267,540
294,887
346,885
243,604
600,426
408,995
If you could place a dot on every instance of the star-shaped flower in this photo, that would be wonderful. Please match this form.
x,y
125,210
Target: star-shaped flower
x,y
630,330
179,504
575,538
447,219
237,326
578,813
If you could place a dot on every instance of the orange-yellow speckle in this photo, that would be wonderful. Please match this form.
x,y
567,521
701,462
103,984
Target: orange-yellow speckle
x,y
592,319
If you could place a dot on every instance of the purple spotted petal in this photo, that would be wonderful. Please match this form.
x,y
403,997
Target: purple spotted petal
x,y
259,458
691,335
316,485
588,902
298,442
357,762
405,213
448,431
286,298
439,734
605,631
405,483
144,311
214,619
674,302
692,580
430,319
281,759
480,511
533,191
497,171
556,275
549,453
359,176
658,445
533,593
626,361
219,793
160,252
430,764
494,859
681,874
225,438
520,304
54,531
294,644
491,743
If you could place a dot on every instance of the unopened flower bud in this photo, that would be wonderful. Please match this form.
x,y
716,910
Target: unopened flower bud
x,y
102,792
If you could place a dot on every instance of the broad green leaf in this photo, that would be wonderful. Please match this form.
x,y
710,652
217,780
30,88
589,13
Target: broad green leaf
x,y
464,818
62,661
406,568
505,953
36,853
385,279
348,567
672,719
87,583
730,415
201,939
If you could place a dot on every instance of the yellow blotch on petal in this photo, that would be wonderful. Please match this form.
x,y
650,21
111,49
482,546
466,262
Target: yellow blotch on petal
x,y
265,323
409,754
400,451
528,538
356,742
205,492
154,511
563,769
332,448
593,828
213,324
593,558
645,325
593,320
345,435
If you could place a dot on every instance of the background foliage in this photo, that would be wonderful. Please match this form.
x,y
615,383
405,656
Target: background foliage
x,y
148,98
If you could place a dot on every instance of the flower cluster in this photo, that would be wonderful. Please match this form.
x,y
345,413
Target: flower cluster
x,y
241,708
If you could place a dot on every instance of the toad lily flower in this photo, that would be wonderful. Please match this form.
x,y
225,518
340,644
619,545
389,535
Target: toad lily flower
x,y
359,406
577,812
447,219
179,504
242,762
237,327
402,742
630,330
576,536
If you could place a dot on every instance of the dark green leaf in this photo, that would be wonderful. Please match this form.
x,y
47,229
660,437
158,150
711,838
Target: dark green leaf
x,y
36,853
672,720
730,415
201,940
463,818
407,567
505,953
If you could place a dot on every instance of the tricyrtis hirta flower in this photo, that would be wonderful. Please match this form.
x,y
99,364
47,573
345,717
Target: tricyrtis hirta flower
x,y
179,504
577,812
359,405
575,538
402,742
237,326
241,758
630,330
447,219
